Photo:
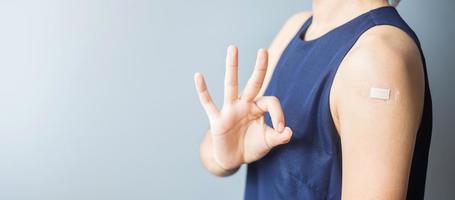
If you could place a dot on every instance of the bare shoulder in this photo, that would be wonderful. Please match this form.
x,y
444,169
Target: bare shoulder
x,y
385,44
386,57
383,55
290,27
298,18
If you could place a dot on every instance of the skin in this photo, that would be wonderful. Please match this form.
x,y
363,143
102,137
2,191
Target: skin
x,y
377,136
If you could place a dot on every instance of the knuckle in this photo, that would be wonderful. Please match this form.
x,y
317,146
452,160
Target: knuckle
x,y
274,99
257,84
233,83
261,69
205,102
205,99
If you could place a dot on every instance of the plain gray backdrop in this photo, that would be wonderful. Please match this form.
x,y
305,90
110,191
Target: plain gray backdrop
x,y
97,99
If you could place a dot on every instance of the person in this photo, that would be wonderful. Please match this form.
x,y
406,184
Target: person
x,y
338,107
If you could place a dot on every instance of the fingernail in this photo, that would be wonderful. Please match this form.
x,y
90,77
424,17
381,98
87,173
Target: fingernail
x,y
231,52
261,54
230,49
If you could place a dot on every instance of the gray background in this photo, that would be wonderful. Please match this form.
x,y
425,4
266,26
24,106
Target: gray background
x,y
97,98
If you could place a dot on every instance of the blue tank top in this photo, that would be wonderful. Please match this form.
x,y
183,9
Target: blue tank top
x,y
309,166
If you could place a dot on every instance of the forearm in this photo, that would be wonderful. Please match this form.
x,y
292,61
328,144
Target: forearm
x,y
206,154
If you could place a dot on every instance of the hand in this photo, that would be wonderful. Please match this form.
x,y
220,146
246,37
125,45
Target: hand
x,y
239,133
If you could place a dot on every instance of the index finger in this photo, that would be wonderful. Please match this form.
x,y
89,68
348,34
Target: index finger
x,y
204,96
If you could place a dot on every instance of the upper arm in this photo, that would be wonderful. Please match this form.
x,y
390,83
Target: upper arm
x,y
279,43
378,136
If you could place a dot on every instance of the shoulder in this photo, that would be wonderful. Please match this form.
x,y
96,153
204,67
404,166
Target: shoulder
x,y
382,47
384,57
287,32
298,18
293,23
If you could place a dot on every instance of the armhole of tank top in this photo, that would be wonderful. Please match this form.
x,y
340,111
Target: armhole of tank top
x,y
295,36
303,27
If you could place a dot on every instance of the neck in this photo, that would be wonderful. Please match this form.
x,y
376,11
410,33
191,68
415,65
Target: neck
x,y
328,14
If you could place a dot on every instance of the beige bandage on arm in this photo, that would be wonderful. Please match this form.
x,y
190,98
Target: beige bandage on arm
x,y
380,93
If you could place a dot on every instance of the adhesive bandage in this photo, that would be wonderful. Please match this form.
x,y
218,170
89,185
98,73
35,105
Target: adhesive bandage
x,y
380,93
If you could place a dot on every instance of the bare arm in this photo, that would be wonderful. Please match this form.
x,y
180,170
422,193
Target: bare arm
x,y
378,136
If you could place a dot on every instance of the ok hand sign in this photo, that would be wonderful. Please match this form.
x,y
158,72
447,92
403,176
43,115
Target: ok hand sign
x,y
238,131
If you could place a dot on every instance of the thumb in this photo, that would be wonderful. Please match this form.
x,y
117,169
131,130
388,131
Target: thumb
x,y
274,138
